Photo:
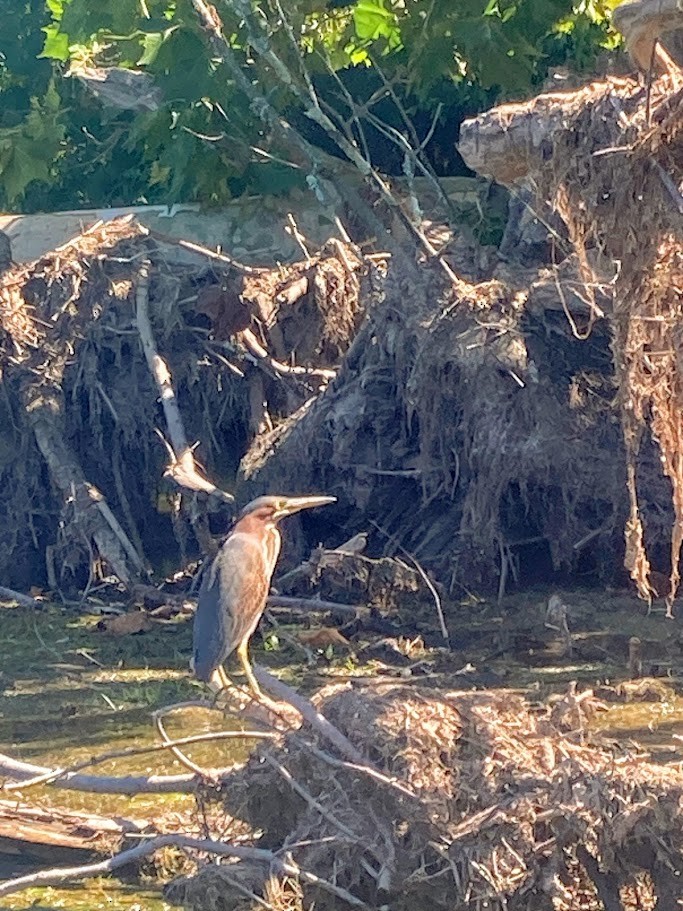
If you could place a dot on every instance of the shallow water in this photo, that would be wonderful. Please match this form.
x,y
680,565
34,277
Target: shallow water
x,y
105,894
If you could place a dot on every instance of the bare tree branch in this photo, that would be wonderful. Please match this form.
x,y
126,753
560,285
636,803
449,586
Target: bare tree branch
x,y
258,39
54,775
183,468
312,604
97,784
257,350
55,877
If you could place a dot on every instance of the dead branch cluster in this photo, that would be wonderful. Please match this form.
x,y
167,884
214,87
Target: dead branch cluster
x,y
467,427
464,421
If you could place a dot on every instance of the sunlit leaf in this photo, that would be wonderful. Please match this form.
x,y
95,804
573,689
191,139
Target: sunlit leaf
x,y
56,46
373,21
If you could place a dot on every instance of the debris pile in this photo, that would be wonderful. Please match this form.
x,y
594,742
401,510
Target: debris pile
x,y
462,800
80,407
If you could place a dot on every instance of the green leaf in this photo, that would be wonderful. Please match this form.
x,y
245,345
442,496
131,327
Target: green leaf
x,y
30,149
56,7
25,164
151,44
372,21
56,45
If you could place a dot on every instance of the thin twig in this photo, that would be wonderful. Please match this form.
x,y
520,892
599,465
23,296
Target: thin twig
x,y
425,578
173,747
319,723
304,793
205,251
371,772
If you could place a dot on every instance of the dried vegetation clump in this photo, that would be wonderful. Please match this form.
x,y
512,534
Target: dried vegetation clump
x,y
485,804
472,425
614,175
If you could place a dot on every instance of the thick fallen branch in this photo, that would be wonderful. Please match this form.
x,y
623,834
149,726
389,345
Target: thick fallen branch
x,y
96,784
45,409
218,848
309,713
313,604
21,826
54,775
8,594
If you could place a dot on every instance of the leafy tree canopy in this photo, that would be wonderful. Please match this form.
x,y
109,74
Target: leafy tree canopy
x,y
379,70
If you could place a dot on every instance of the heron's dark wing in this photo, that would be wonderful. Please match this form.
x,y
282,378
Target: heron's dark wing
x,y
231,600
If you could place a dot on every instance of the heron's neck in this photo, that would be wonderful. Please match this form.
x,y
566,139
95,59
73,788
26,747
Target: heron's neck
x,y
271,544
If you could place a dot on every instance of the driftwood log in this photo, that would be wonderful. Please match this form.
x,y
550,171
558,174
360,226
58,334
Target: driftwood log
x,y
45,835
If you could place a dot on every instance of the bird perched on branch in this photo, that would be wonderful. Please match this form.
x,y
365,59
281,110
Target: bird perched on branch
x,y
235,587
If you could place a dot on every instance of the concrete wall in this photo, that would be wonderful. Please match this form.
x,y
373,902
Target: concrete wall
x,y
251,229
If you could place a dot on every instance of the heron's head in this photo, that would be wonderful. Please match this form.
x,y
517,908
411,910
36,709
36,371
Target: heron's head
x,y
272,509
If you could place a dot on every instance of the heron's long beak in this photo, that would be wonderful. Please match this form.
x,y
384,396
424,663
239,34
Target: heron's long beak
x,y
296,504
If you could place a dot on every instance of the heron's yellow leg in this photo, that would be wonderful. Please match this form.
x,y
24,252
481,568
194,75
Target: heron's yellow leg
x,y
219,680
243,655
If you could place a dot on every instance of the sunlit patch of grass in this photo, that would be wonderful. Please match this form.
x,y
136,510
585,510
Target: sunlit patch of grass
x,y
102,894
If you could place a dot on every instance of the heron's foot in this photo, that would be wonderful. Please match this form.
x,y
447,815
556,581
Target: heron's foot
x,y
219,681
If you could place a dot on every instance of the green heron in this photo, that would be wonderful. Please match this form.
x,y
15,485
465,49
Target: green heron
x,y
235,587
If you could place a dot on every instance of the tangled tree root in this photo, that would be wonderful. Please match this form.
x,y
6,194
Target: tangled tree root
x,y
610,159
472,430
504,811
648,275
